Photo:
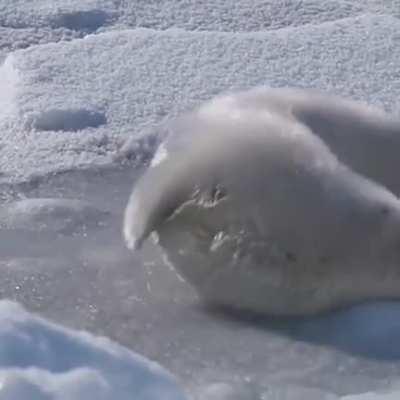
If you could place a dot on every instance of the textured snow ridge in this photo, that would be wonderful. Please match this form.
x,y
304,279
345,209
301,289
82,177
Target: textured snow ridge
x,y
221,15
245,15
75,102
42,361
24,23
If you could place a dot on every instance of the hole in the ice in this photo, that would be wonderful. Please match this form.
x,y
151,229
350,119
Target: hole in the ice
x,y
88,21
68,120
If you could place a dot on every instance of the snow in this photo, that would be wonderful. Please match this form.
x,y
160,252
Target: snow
x,y
42,361
116,84
83,88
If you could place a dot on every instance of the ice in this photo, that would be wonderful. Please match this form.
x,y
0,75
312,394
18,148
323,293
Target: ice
x,y
224,391
92,282
374,396
54,215
42,361
96,75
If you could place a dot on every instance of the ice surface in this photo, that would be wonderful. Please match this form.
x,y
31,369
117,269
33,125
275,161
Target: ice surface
x,y
374,396
54,215
91,282
42,361
68,102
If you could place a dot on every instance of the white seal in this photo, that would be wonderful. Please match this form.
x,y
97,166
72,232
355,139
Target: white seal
x,y
277,201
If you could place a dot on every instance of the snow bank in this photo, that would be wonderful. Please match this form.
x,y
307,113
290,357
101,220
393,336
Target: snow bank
x,y
75,102
42,361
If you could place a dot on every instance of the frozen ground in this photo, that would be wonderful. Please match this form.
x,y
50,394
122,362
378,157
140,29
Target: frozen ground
x,y
96,72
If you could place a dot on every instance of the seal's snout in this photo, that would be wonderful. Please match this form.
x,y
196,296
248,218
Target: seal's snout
x,y
132,243
135,226
153,199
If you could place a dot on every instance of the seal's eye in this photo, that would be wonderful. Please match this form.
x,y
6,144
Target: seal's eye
x,y
209,196
218,193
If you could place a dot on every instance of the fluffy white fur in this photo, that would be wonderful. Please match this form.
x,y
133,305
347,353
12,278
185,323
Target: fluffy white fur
x,y
277,201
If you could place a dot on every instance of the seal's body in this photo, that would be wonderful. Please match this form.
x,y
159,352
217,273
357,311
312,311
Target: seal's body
x,y
276,201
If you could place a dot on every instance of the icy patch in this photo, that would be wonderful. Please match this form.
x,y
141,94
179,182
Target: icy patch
x,y
226,391
293,392
55,215
43,361
395,395
94,283
68,120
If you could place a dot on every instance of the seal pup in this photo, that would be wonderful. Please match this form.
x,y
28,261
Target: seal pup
x,y
281,202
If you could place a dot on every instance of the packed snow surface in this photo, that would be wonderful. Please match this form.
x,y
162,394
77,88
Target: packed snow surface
x,y
73,103
78,78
